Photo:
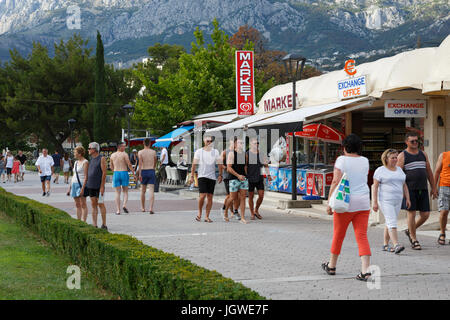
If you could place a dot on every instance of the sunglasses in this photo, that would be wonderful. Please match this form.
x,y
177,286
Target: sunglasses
x,y
209,141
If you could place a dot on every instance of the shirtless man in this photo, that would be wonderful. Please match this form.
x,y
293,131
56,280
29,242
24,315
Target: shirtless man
x,y
119,163
146,173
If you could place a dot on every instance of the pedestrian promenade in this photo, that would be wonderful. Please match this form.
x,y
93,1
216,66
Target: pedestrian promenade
x,y
279,256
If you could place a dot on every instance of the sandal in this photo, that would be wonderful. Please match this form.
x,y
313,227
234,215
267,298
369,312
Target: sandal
x,y
387,248
398,248
330,271
363,276
416,245
252,217
258,216
118,213
198,218
408,235
440,240
208,220
151,212
125,209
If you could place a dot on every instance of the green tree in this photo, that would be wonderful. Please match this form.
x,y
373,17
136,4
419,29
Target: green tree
x,y
100,125
204,82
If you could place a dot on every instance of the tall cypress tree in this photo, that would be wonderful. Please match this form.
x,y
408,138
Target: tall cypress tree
x,y
100,127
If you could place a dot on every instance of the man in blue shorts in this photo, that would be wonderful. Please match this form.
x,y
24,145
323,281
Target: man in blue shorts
x,y
146,172
120,163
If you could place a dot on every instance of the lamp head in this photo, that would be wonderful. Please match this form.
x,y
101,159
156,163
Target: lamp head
x,y
291,62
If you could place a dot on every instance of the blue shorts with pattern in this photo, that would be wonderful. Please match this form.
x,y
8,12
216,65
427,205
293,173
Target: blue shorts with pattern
x,y
236,185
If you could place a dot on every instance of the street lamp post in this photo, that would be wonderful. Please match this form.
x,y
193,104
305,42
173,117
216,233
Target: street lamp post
x,y
71,124
129,109
291,64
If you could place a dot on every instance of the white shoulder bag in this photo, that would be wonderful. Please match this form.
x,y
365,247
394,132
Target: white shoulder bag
x,y
339,201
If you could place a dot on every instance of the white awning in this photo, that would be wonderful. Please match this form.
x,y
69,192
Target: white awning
x,y
240,124
302,114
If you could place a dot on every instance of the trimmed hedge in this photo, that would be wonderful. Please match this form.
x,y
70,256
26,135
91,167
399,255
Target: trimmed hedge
x,y
119,262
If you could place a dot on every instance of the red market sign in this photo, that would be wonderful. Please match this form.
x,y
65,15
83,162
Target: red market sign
x,y
245,86
279,103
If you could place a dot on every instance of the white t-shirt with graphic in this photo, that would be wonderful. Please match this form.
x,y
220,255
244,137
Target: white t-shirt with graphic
x,y
357,170
207,163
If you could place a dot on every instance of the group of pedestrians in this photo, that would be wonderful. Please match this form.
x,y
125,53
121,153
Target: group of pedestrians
x,y
239,170
401,183
12,165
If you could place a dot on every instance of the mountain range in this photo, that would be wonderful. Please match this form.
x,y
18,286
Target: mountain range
x,y
326,32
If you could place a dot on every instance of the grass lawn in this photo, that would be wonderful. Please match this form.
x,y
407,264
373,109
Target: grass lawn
x,y
30,269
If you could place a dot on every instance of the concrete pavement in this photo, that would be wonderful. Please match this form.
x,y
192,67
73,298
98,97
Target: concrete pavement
x,y
279,256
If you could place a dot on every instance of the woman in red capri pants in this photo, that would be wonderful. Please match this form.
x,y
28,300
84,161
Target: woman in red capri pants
x,y
357,168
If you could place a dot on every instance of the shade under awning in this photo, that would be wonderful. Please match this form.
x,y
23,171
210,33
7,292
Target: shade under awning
x,y
292,120
242,123
167,139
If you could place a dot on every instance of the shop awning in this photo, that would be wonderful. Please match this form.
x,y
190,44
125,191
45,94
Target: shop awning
x,y
167,139
293,120
242,123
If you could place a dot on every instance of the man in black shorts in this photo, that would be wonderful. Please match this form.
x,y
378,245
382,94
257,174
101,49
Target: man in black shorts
x,y
416,166
95,185
206,158
255,178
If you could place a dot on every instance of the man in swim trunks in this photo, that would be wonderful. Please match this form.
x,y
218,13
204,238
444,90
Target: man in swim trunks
x,y
146,172
120,163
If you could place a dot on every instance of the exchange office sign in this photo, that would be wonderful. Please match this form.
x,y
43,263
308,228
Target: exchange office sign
x,y
352,87
245,89
405,109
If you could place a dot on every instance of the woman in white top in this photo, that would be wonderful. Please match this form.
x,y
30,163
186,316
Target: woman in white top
x,y
77,188
357,168
389,188
66,164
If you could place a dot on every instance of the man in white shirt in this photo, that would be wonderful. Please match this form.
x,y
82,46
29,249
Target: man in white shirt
x,y
45,165
164,161
206,158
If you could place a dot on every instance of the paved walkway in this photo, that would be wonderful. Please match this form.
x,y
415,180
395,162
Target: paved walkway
x,y
279,256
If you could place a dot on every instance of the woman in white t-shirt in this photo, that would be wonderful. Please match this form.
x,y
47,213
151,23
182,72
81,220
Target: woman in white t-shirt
x,y
389,188
357,168
77,187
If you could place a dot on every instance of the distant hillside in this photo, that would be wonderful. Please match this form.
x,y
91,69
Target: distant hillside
x,y
326,32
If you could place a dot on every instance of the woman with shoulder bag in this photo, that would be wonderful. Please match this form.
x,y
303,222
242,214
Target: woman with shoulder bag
x,y
77,187
356,169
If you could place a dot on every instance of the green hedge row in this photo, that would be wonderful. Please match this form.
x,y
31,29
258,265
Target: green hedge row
x,y
122,264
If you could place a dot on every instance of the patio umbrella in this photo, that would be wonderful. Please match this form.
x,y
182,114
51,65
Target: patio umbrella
x,y
319,132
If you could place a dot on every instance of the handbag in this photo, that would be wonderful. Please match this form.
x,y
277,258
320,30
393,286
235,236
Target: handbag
x,y
78,178
340,199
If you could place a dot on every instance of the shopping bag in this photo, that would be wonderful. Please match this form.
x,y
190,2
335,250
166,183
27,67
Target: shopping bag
x,y
340,199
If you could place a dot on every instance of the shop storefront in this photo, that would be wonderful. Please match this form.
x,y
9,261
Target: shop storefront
x,y
380,102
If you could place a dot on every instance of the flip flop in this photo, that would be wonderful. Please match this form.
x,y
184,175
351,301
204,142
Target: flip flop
x,y
258,216
408,235
416,245
208,220
198,218
398,249
118,213
125,209
252,217
151,212
441,239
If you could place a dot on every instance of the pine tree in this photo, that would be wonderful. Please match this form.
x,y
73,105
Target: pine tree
x,y
100,126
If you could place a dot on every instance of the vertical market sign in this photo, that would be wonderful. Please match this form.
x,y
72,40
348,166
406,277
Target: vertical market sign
x,y
245,88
